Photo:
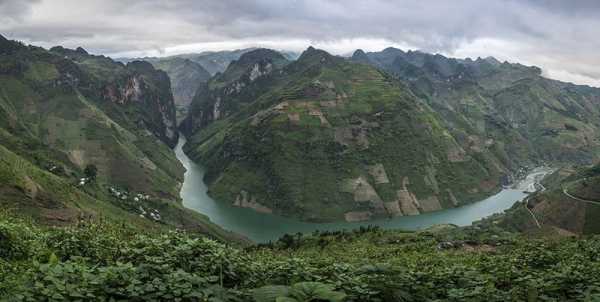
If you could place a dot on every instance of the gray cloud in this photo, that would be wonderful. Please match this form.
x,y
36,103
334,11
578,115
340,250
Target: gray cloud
x,y
13,11
559,36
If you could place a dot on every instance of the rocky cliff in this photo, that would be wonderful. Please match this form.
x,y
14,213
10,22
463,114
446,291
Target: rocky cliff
x,y
323,139
530,119
83,137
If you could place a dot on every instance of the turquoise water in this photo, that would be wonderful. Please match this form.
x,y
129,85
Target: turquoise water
x,y
264,227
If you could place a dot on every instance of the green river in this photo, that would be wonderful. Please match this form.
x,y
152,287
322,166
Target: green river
x,y
264,227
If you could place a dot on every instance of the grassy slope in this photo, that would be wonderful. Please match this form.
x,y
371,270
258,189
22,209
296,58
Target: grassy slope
x,y
558,213
51,114
31,191
530,119
298,168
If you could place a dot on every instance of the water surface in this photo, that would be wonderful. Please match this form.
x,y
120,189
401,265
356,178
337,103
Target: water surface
x,y
261,227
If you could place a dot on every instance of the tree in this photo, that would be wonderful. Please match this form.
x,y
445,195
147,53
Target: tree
x,y
91,171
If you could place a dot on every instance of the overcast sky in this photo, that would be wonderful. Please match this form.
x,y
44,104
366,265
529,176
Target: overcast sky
x,y
561,37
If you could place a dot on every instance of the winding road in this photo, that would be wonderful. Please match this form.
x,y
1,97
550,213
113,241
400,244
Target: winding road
x,y
566,193
564,190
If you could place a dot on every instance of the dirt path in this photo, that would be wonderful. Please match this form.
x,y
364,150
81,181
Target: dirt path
x,y
580,199
537,222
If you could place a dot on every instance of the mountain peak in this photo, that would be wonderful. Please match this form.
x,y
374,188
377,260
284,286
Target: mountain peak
x,y
141,66
257,55
312,54
69,52
492,61
392,50
360,56
359,52
81,50
4,43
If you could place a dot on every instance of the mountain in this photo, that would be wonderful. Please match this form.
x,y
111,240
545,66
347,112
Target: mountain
x,y
186,76
84,137
323,139
568,205
215,61
188,72
212,61
225,93
530,119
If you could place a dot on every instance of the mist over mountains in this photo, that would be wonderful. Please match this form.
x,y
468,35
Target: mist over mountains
x,y
311,150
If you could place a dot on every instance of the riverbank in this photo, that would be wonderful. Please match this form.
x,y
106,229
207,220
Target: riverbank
x,y
532,182
261,227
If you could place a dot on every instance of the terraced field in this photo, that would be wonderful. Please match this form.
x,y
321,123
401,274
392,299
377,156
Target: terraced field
x,y
319,124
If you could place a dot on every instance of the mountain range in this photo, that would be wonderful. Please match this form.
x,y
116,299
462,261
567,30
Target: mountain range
x,y
89,181
381,134
85,137
317,137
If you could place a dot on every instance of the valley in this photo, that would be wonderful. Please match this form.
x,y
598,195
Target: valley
x,y
316,142
86,138
287,137
267,227
299,151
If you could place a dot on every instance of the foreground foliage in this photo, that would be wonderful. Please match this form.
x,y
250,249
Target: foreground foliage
x,y
102,262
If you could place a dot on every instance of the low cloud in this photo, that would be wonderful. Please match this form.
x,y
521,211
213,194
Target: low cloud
x,y
559,36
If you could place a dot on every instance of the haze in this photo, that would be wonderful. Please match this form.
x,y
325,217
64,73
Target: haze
x,y
558,36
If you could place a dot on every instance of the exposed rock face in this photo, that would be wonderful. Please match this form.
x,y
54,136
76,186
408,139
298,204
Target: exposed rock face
x,y
149,90
244,200
363,192
225,92
456,154
393,208
121,110
324,132
258,70
357,216
407,202
186,77
130,92
430,204
409,205
506,109
64,112
152,89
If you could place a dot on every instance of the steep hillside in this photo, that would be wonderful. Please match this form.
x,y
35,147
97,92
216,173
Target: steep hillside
x,y
213,61
85,137
568,205
188,72
186,76
226,93
530,119
216,61
322,139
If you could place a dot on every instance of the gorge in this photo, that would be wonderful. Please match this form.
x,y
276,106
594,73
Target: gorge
x,y
263,227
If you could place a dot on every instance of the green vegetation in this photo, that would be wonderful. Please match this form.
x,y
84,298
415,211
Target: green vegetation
x,y
90,171
186,77
77,129
103,262
324,138
295,136
569,205
527,118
